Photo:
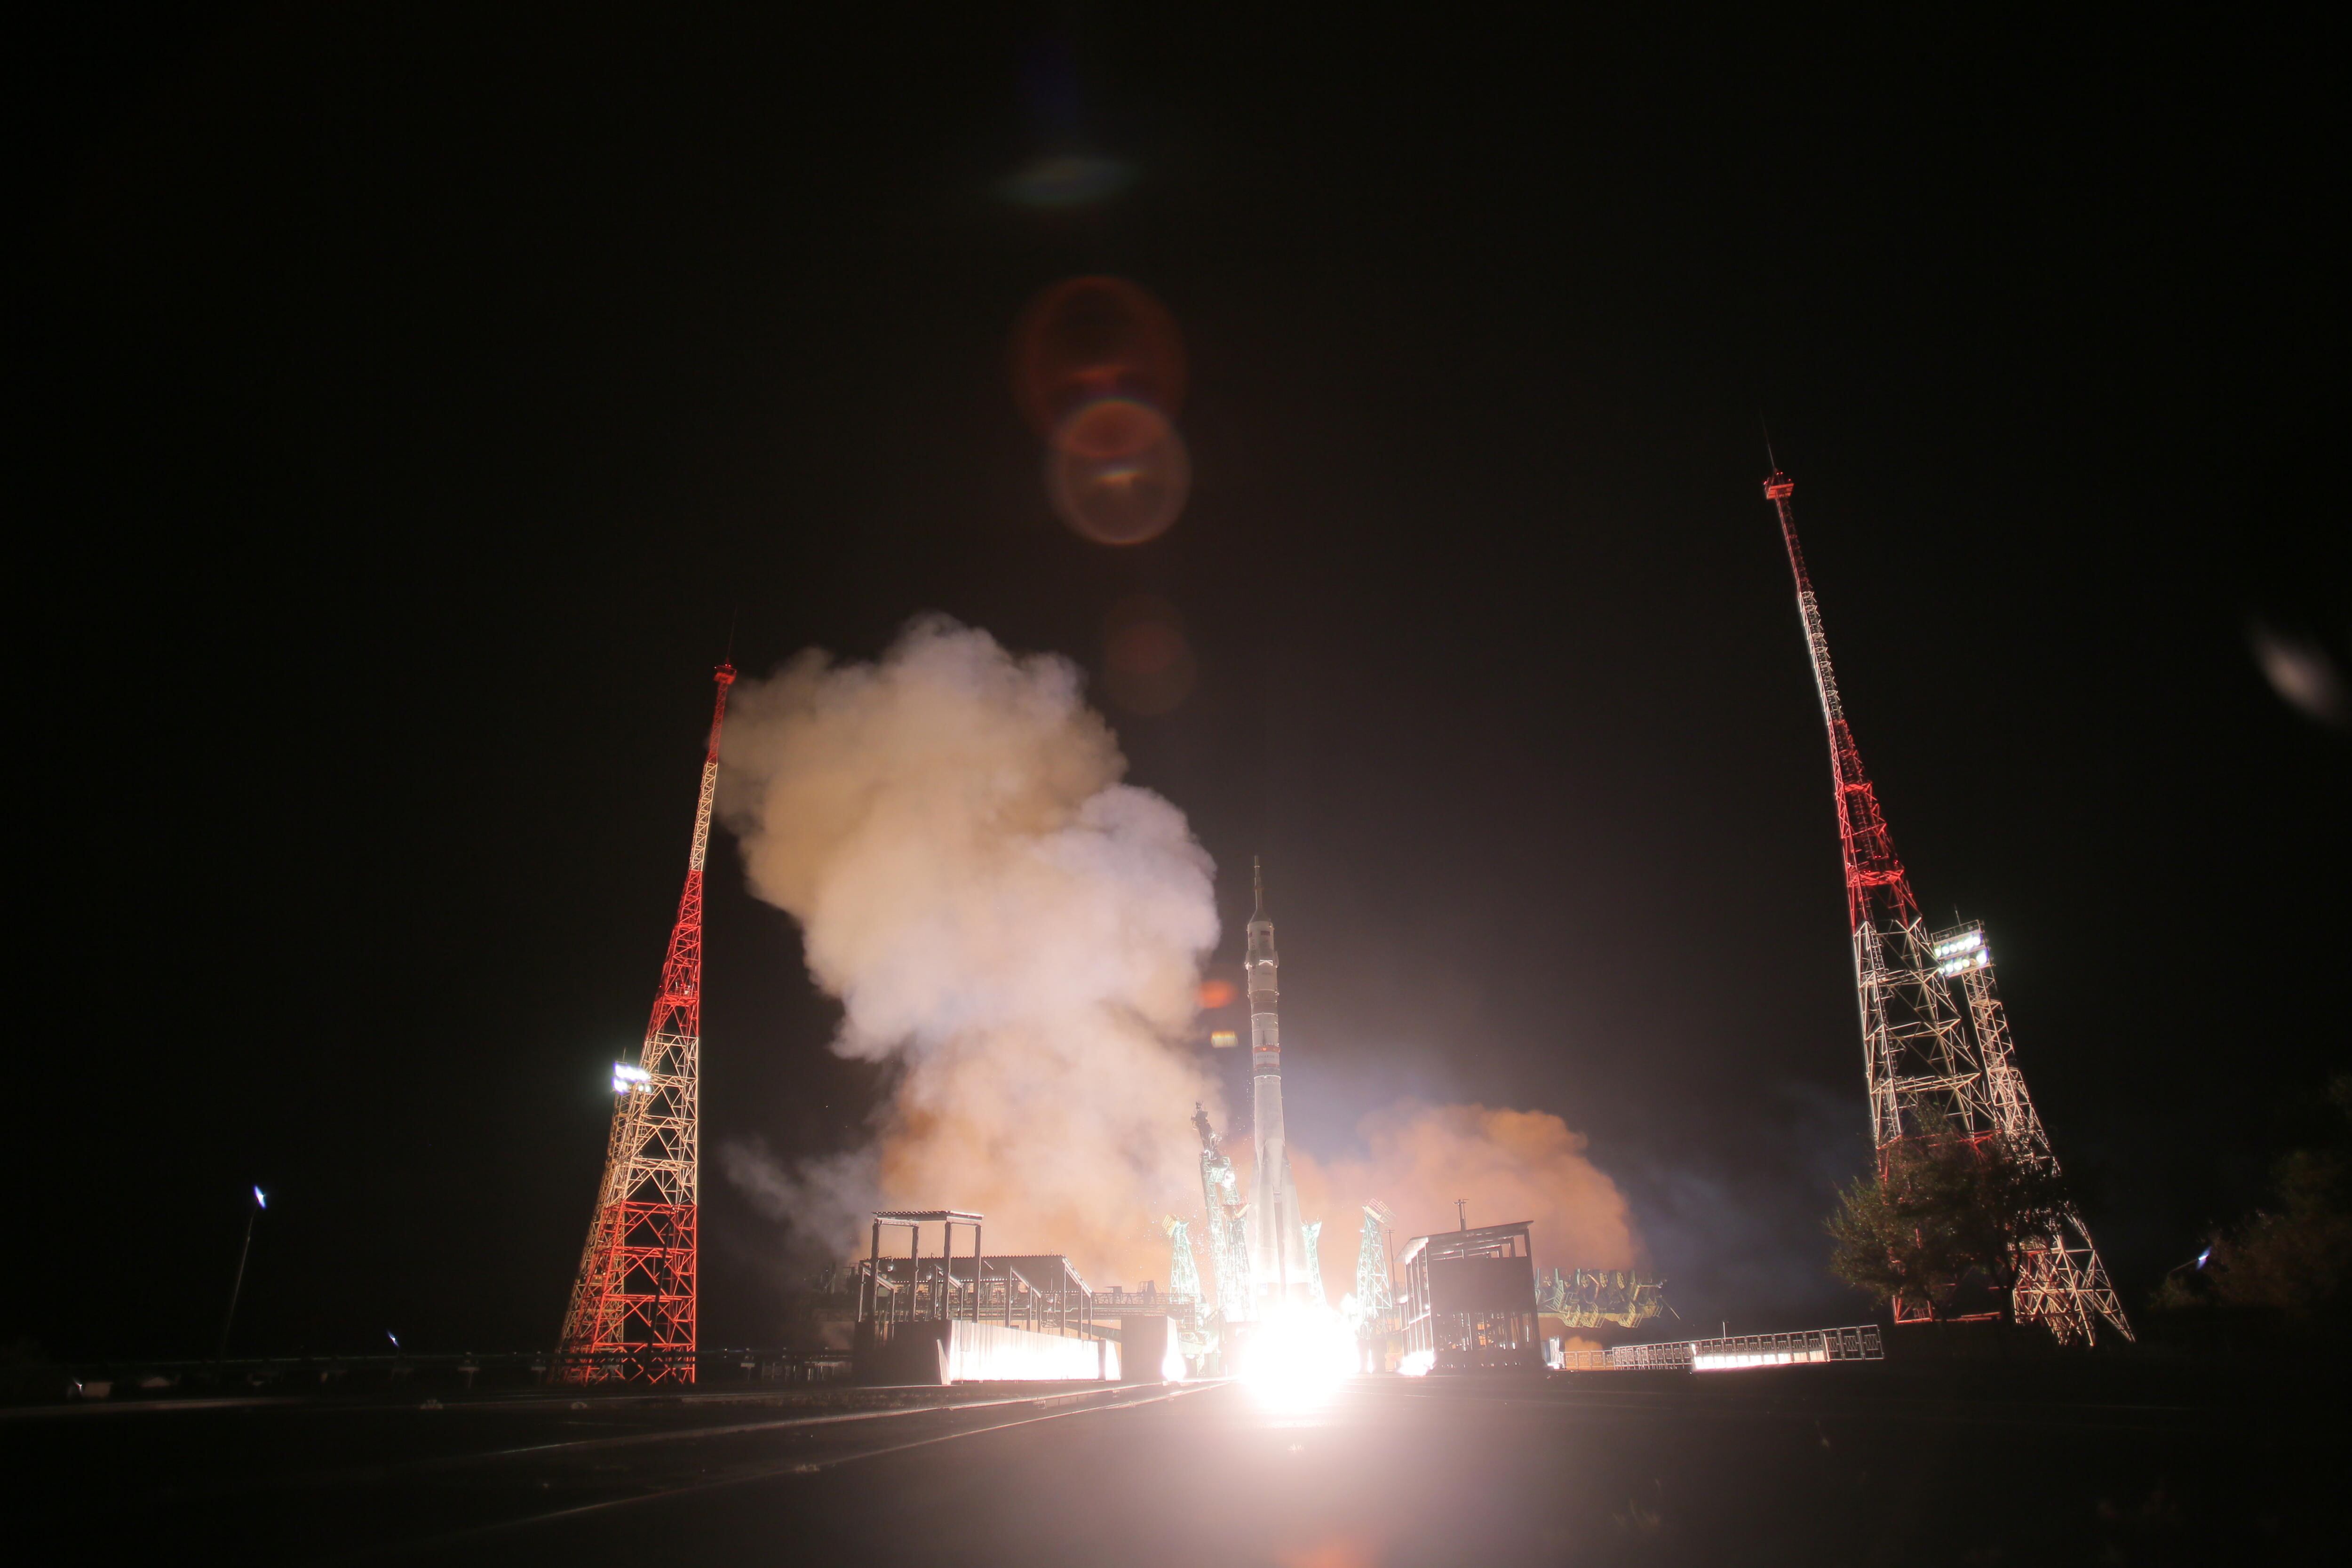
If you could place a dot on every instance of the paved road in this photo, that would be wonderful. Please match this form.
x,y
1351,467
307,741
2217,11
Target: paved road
x,y
1828,1464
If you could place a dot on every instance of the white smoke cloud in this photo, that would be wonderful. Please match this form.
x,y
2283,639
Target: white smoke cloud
x,y
998,914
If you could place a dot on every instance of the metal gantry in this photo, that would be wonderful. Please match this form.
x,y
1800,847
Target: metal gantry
x,y
1588,1298
1375,1295
1183,1269
632,1313
1932,1058
1225,1227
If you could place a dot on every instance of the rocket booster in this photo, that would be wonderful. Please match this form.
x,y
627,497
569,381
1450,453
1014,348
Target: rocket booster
x,y
1279,1271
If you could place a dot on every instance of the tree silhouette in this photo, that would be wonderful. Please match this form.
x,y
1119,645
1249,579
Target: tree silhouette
x,y
1944,1215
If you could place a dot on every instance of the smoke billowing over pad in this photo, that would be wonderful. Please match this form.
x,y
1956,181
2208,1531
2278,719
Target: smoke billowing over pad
x,y
996,911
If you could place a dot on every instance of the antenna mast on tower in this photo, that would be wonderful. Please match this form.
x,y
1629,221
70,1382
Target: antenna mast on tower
x,y
633,1305
1930,1057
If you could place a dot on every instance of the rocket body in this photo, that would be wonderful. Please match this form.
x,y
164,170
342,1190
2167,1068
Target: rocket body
x,y
1279,1269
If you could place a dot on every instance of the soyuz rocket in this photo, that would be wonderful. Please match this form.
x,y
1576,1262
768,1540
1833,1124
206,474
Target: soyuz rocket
x,y
1279,1269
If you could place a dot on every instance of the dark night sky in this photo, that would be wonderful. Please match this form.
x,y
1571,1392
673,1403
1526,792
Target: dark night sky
x,y
415,396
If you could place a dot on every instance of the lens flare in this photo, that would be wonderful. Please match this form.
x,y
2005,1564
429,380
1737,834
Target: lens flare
x,y
1297,1359
1067,180
1089,338
1118,471
1148,665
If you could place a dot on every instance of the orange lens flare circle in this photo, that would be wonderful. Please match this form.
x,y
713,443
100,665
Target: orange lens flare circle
x,y
1091,337
1116,471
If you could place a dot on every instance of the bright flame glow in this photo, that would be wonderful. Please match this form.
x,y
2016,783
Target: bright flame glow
x,y
1298,1358
1417,1363
258,1201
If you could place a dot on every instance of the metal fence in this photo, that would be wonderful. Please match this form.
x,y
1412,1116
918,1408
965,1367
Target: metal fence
x,y
1807,1347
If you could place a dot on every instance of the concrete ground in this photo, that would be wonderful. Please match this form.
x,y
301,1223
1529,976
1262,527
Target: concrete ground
x,y
1844,1464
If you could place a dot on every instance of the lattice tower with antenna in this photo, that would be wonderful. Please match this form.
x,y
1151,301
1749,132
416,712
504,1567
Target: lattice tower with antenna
x,y
1931,1057
632,1313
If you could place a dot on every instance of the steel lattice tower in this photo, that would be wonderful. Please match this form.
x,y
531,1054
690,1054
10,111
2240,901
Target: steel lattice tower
x,y
1928,1054
631,1310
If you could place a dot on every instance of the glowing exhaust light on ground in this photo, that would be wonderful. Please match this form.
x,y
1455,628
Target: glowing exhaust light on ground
x,y
1417,1363
626,1078
1298,1358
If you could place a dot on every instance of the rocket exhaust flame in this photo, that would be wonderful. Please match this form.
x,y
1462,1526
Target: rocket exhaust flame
x,y
1297,1358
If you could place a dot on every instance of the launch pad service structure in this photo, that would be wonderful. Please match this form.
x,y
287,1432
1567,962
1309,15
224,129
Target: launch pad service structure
x,y
1938,1064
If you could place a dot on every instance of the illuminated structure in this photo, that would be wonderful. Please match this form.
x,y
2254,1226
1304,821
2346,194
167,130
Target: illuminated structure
x,y
1932,1059
1183,1269
1469,1299
633,1305
1371,1307
1225,1228
1588,1298
1280,1272
1375,1294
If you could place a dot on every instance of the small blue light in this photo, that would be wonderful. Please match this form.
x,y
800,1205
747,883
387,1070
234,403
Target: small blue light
x,y
2204,1256
258,1201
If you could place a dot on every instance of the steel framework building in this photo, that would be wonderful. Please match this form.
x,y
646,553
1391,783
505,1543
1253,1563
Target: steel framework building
x,y
1931,1058
632,1313
1470,1298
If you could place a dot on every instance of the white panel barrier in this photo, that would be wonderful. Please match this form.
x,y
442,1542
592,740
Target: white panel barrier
x,y
1810,1347
991,1352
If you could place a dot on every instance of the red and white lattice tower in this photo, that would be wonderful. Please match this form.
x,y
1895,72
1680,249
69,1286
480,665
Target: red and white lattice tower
x,y
632,1311
1929,1055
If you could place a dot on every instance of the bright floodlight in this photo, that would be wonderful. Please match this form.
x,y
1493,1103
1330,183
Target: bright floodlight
x,y
626,1078
1960,953
258,1201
